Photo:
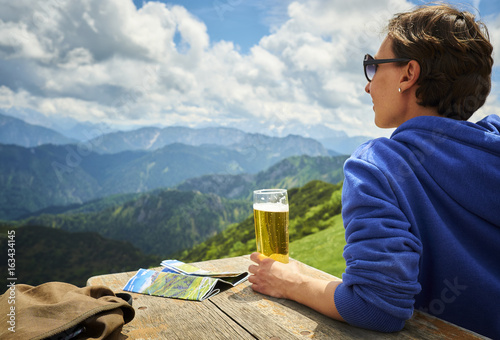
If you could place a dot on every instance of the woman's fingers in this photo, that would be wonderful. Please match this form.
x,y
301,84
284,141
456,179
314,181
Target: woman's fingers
x,y
252,269
257,257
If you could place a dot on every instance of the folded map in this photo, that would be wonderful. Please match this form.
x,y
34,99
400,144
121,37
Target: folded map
x,y
182,281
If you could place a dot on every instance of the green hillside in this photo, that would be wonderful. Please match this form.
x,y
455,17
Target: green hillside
x,y
291,172
47,254
299,170
160,222
166,224
95,205
316,231
323,250
29,181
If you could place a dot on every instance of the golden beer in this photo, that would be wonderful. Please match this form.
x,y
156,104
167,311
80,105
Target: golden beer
x,y
271,230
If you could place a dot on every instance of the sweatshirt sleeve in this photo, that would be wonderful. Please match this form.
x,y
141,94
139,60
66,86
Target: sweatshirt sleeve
x,y
382,255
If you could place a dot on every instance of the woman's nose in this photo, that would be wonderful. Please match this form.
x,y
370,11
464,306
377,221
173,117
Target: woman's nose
x,y
367,87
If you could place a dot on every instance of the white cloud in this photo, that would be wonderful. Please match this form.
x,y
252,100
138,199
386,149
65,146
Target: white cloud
x,y
18,42
105,60
6,97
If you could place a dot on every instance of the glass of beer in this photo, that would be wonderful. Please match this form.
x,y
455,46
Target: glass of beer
x,y
270,212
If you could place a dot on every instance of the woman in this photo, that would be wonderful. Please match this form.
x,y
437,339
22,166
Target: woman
x,y
421,209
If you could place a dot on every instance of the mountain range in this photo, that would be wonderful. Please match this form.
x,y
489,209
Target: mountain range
x,y
157,192
152,138
35,177
106,138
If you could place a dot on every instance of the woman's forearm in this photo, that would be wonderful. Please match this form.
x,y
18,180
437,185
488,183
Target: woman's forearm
x,y
285,281
315,293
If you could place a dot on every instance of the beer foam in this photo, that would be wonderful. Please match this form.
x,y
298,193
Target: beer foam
x,y
271,207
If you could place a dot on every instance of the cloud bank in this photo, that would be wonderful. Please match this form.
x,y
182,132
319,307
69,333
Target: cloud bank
x,y
107,61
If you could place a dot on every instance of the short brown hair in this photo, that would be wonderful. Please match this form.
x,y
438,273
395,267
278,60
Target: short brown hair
x,y
454,54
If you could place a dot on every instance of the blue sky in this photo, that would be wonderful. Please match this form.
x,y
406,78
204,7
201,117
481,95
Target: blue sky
x,y
245,22
241,21
270,66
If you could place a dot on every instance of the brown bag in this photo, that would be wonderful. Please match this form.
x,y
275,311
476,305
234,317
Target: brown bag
x,y
57,309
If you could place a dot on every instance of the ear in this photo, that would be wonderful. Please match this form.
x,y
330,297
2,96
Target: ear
x,y
409,76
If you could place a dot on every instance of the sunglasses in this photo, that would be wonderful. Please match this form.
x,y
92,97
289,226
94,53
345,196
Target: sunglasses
x,y
370,64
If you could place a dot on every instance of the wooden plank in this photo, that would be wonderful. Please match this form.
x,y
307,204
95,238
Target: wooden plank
x,y
161,318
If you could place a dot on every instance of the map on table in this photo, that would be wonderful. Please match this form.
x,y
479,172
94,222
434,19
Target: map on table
x,y
182,281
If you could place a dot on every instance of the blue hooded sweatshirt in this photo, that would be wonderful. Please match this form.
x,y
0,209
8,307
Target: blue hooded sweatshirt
x,y
422,217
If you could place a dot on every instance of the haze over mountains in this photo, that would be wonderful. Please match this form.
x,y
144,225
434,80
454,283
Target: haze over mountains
x,y
17,131
336,141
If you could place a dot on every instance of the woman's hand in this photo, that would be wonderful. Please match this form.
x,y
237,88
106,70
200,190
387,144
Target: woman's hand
x,y
271,277
281,280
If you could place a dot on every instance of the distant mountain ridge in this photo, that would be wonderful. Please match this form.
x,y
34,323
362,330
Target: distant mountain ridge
x,y
107,139
72,128
336,141
151,138
16,131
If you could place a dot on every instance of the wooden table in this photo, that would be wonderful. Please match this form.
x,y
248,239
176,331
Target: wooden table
x,y
240,313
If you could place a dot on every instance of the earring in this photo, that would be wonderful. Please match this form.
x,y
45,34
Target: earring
x,y
399,90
